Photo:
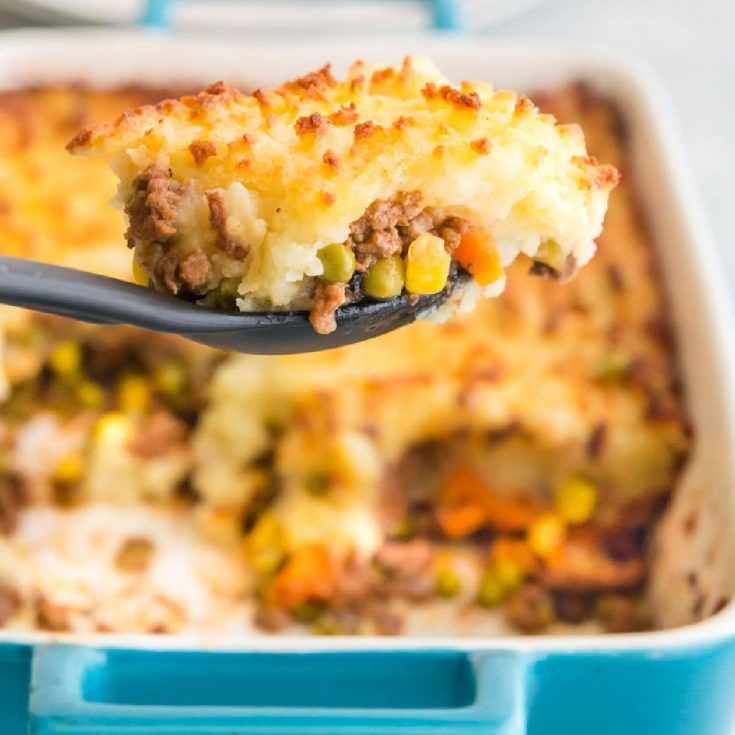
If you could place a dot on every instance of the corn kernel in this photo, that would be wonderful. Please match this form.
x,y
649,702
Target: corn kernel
x,y
90,395
66,358
139,275
508,573
69,470
427,265
133,394
490,592
170,379
546,534
265,546
575,500
500,580
448,583
113,429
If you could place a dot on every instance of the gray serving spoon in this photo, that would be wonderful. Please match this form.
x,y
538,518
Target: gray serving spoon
x,y
101,300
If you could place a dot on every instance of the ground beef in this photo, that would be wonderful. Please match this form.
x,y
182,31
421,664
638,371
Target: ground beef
x,y
386,621
328,297
186,275
12,498
343,621
152,208
409,491
50,616
406,566
572,608
416,589
271,619
159,433
530,609
9,604
406,559
389,226
581,566
357,582
422,222
166,272
218,220
621,614
195,270
135,554
451,230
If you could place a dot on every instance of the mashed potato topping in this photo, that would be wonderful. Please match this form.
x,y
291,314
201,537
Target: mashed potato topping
x,y
245,199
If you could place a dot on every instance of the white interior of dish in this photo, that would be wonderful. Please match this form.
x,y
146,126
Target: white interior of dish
x,y
690,268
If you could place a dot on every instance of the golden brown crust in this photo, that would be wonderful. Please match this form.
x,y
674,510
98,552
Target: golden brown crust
x,y
201,150
461,100
331,160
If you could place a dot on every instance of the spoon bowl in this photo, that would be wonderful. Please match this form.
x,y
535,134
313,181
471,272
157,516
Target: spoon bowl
x,y
101,300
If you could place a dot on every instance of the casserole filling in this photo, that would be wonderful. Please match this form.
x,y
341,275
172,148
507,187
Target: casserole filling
x,y
432,480
322,192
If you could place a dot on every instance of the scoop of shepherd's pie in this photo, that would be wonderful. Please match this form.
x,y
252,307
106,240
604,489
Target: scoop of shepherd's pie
x,y
324,192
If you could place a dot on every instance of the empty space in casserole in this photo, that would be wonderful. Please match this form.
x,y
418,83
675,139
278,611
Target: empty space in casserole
x,y
499,473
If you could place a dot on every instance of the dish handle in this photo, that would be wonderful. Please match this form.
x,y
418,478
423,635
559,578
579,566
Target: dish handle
x,y
79,690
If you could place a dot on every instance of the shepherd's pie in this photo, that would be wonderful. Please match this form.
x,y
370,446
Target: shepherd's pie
x,y
324,192
513,460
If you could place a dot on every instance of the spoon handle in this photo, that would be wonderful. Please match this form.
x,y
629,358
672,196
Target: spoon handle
x,y
98,299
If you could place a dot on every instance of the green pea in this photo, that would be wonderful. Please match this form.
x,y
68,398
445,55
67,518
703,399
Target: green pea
x,y
403,531
223,297
338,262
169,378
385,278
307,612
327,625
90,394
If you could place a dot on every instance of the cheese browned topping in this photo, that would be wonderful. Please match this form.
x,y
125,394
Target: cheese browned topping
x,y
247,199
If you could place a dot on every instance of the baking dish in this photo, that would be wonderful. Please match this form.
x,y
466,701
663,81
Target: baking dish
x,y
676,681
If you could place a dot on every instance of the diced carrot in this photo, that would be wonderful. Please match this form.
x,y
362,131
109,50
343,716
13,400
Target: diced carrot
x,y
509,514
309,574
461,508
461,520
516,550
478,254
466,504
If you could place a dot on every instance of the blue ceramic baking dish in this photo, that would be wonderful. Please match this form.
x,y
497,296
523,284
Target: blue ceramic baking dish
x,y
679,680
